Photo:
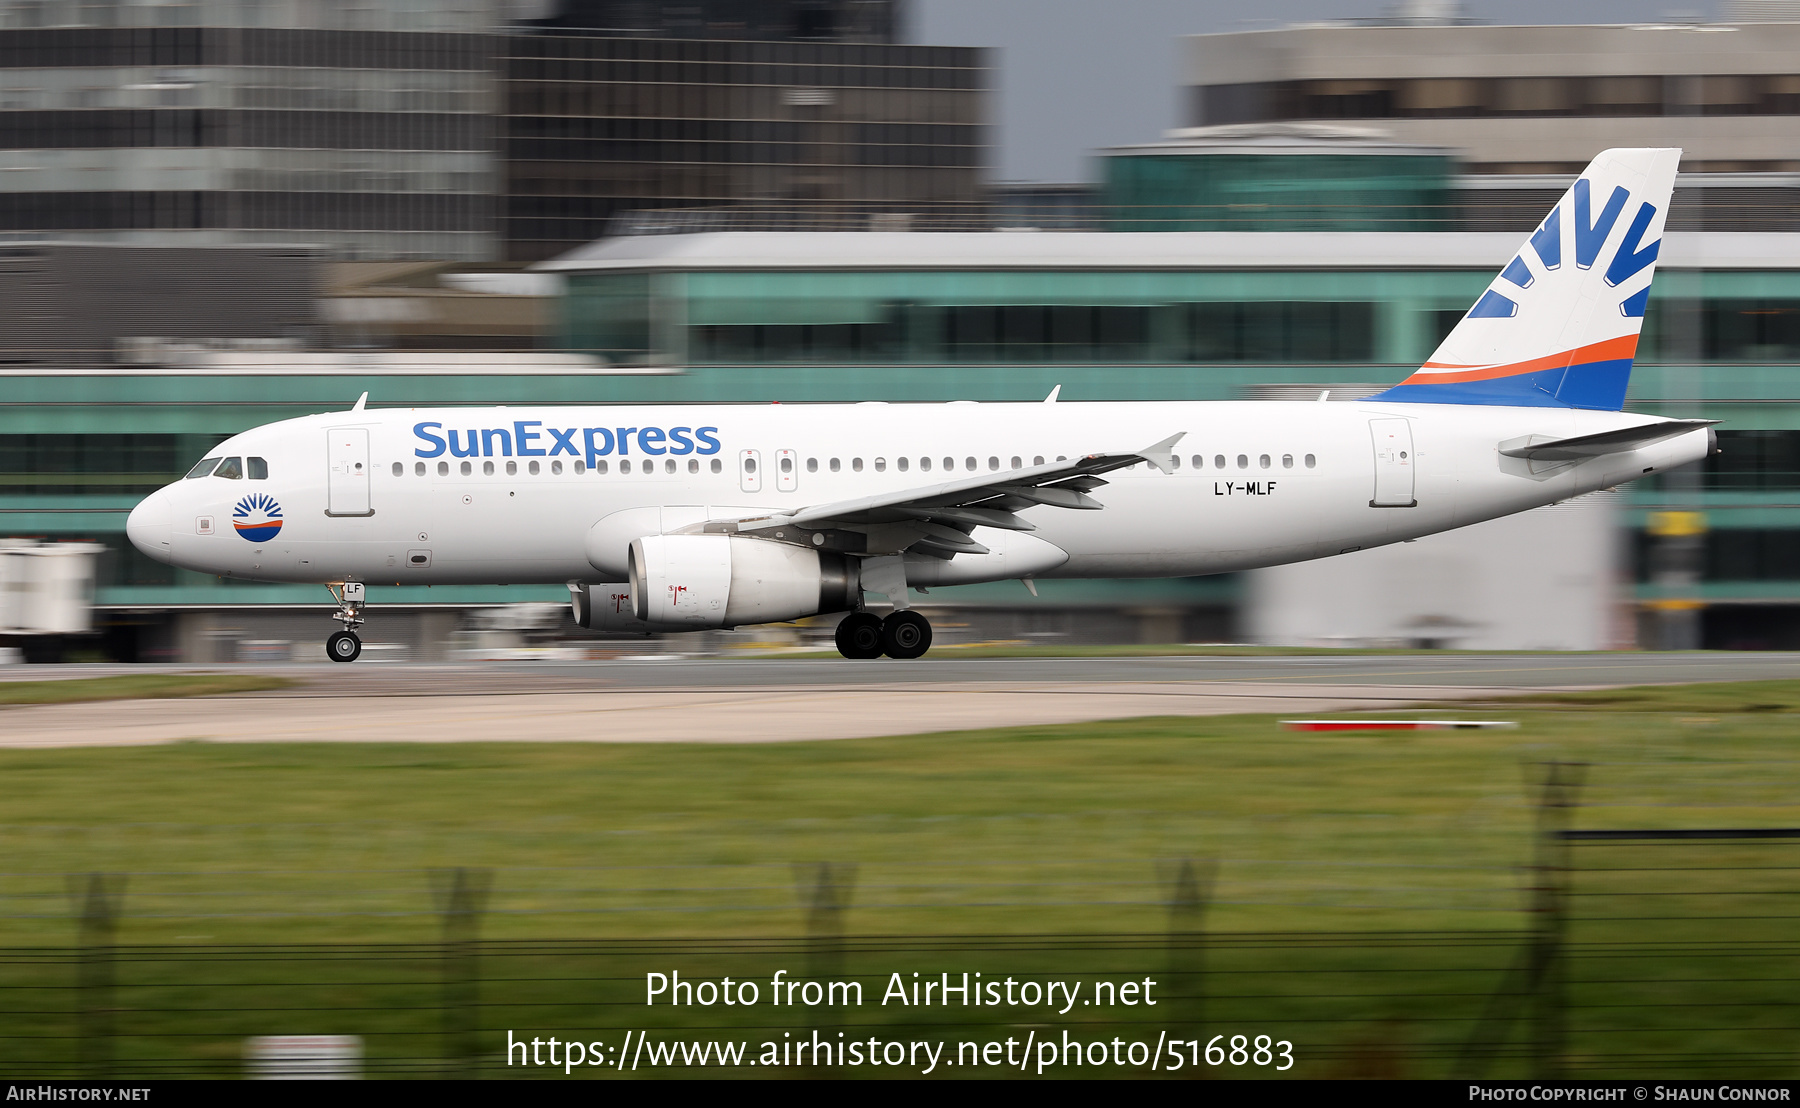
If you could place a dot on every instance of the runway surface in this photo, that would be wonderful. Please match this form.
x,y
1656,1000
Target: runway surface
x,y
672,699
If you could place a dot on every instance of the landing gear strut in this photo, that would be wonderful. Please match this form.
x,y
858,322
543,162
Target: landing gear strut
x,y
344,646
904,634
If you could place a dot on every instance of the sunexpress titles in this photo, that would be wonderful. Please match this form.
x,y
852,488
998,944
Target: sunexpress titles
x,y
529,438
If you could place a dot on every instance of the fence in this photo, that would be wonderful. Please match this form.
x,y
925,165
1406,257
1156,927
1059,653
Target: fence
x,y
1668,953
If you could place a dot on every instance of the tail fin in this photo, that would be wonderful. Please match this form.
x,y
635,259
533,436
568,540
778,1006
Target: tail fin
x,y
1559,326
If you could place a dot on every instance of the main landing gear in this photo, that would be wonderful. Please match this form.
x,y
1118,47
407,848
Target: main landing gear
x,y
905,634
344,646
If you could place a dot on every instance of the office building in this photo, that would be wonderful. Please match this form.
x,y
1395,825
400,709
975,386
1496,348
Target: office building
x,y
406,131
754,134
366,129
1520,100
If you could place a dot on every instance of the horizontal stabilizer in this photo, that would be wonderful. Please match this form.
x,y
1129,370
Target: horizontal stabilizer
x,y
1542,448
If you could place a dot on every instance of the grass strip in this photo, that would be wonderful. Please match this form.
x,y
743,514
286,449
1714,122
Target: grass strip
x,y
149,686
1706,697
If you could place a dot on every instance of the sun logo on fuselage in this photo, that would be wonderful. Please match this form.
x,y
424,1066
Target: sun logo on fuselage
x,y
257,517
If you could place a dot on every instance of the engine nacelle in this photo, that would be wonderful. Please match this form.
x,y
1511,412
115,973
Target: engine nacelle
x,y
700,582
606,608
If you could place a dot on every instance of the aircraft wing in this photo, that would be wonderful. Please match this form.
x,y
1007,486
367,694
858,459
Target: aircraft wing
x,y
937,519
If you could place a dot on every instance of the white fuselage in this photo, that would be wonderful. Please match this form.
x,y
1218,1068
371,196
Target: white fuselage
x,y
518,516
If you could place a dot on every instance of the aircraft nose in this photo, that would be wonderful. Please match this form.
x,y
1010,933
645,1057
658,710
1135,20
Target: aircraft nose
x,y
149,524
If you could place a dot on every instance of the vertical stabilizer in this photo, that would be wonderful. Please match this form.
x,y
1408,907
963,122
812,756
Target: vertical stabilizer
x,y
1559,326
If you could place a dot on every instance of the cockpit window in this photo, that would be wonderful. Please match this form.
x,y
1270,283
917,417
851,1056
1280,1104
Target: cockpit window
x,y
231,470
257,469
205,467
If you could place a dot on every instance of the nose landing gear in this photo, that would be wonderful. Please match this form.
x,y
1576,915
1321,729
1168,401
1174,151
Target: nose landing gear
x,y
344,646
904,634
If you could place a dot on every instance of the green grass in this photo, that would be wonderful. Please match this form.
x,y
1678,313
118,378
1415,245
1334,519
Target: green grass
x,y
981,831
1725,697
1011,832
134,687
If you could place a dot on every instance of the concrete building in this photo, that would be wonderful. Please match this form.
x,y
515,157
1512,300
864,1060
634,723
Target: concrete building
x,y
1520,100
367,128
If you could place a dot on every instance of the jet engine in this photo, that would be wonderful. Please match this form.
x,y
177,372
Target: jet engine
x,y
606,608
699,582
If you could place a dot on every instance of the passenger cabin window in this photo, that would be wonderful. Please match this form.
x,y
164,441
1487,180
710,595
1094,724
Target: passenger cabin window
x,y
418,468
556,467
902,462
1311,461
880,465
718,466
835,465
856,464
399,469
257,469
203,467
232,469
1287,461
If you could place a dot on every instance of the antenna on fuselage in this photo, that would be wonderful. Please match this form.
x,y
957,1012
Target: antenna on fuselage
x,y
360,402
1054,393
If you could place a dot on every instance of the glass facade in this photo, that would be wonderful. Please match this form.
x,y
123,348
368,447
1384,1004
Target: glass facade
x,y
1169,191
973,317
600,126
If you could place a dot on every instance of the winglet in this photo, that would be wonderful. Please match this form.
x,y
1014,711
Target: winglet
x,y
1054,393
1162,455
361,401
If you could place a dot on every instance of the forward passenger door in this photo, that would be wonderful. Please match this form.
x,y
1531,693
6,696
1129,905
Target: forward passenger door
x,y
347,456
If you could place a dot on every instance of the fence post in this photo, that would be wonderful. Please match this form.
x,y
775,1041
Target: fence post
x,y
461,894
1190,886
1556,797
97,900
825,889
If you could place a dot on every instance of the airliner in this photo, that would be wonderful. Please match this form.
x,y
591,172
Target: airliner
x,y
694,517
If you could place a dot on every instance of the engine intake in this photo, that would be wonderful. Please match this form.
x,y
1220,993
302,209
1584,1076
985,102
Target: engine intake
x,y
701,582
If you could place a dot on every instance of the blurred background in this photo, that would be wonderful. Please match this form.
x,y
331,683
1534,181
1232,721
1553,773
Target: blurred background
x,y
219,213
